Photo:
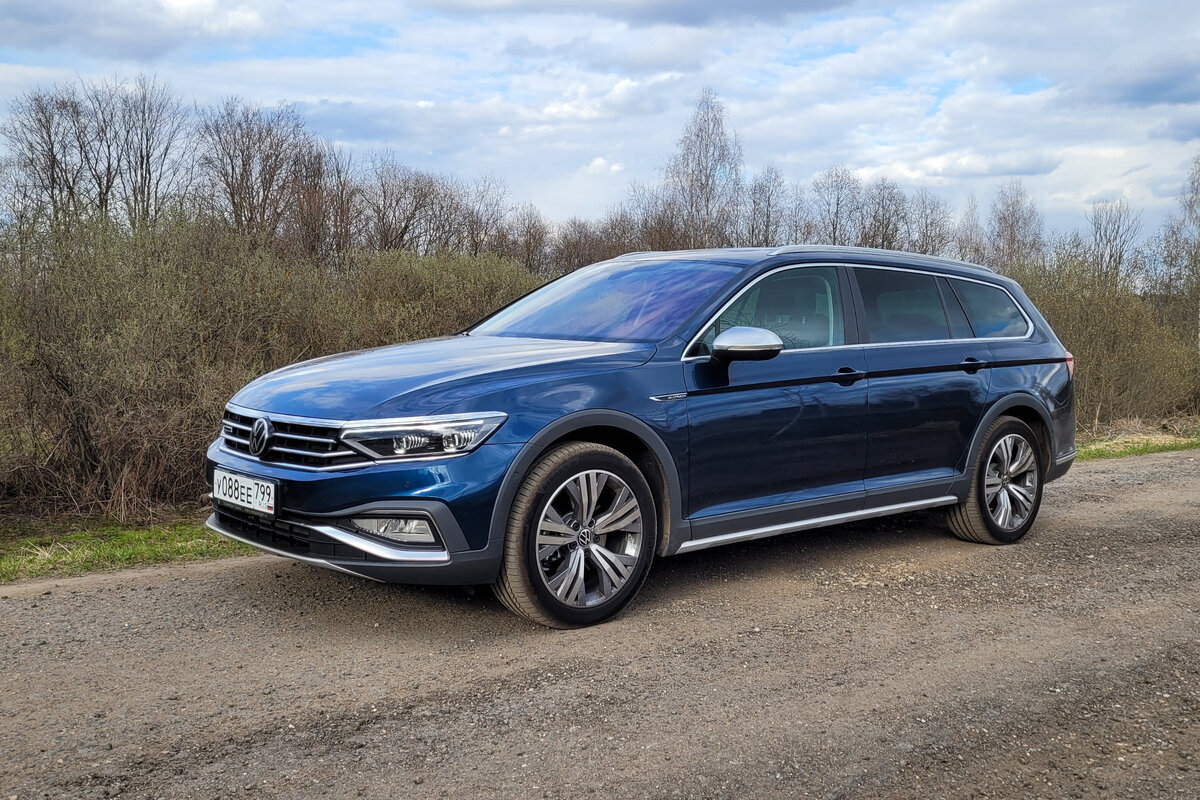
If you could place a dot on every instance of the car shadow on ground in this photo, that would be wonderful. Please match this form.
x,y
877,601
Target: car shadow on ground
x,y
336,602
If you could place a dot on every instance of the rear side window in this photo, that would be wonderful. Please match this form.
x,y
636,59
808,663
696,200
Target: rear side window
x,y
992,310
901,306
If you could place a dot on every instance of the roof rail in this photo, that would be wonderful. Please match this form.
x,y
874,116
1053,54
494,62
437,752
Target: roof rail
x,y
873,251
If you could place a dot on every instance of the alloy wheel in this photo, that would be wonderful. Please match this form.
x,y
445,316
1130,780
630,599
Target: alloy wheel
x,y
1010,484
589,537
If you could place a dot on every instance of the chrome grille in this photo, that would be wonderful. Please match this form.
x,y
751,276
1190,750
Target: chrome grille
x,y
302,445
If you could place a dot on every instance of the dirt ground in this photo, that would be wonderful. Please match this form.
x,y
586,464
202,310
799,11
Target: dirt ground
x,y
874,660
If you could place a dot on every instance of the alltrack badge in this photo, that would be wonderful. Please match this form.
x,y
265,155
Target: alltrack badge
x,y
260,436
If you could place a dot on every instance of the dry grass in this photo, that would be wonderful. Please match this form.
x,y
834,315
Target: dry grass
x,y
1129,437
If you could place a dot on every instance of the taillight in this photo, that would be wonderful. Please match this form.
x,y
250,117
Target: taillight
x,y
1070,364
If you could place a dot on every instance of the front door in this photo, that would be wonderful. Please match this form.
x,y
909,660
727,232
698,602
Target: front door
x,y
790,431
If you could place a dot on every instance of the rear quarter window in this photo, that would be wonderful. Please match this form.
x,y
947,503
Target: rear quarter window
x,y
993,312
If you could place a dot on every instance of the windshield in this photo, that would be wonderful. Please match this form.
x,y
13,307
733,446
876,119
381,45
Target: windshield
x,y
641,301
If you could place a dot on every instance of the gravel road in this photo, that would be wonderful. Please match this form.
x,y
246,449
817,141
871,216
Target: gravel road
x,y
881,659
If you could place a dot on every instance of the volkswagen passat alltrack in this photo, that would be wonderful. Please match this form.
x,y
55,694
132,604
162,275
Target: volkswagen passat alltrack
x,y
655,404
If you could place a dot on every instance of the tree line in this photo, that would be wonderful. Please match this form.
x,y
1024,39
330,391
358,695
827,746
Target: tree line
x,y
156,254
133,152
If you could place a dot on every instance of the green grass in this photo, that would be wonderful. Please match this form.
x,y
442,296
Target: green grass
x,y
42,548
35,550
1135,445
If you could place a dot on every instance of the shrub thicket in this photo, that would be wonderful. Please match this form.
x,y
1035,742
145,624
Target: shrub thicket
x,y
118,350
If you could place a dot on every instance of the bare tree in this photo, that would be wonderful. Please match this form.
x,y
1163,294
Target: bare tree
x,y
930,224
1115,229
801,227
1189,197
766,216
660,221
484,211
884,215
343,200
836,205
704,177
444,230
251,157
397,200
576,244
95,113
40,135
307,220
525,238
621,229
1015,228
970,239
156,162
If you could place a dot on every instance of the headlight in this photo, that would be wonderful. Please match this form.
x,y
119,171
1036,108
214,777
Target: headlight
x,y
423,437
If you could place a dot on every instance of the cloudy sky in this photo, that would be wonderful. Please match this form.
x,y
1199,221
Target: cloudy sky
x,y
569,101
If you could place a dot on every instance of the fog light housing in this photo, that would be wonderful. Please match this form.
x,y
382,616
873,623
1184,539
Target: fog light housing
x,y
409,530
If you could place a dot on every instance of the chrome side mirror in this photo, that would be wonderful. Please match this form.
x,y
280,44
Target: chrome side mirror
x,y
746,344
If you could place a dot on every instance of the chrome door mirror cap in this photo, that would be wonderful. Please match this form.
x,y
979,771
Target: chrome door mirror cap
x,y
746,344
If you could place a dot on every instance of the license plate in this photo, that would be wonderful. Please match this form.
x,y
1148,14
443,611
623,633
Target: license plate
x,y
252,494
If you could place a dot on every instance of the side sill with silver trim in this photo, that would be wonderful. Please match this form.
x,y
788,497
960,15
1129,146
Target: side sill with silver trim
x,y
1064,458
816,522
212,525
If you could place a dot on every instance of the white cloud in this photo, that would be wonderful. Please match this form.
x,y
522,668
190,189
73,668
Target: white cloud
x,y
602,166
1078,100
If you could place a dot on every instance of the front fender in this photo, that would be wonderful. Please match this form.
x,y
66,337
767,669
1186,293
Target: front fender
x,y
677,531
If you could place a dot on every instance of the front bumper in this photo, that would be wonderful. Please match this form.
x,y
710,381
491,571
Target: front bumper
x,y
338,549
457,495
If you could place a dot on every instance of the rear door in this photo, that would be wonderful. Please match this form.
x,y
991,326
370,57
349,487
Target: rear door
x,y
928,382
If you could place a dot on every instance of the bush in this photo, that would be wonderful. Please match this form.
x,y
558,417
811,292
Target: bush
x,y
118,350
1130,361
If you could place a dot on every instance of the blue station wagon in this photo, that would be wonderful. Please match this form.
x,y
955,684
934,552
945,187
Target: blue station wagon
x,y
655,404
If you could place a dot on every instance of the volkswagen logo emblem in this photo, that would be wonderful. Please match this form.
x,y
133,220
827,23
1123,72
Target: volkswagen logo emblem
x,y
260,436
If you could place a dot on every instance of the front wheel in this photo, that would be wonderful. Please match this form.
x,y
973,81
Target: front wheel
x,y
581,536
1006,489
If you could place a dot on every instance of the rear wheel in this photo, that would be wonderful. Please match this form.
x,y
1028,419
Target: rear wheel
x,y
581,536
1006,489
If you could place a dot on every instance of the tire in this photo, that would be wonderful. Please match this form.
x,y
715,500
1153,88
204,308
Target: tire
x,y
561,570
1018,488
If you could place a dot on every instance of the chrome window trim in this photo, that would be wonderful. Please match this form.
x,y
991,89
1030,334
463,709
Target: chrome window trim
x,y
1029,330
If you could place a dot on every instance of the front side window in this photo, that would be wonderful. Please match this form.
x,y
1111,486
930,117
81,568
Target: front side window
x,y
803,306
993,312
901,306
639,301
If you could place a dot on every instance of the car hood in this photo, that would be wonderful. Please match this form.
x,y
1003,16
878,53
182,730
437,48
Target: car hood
x,y
422,377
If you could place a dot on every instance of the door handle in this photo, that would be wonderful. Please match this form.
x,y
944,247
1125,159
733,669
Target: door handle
x,y
971,365
846,376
